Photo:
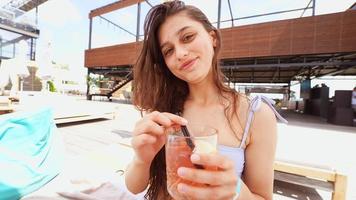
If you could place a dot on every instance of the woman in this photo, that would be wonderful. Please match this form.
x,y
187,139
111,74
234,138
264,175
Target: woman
x,y
177,72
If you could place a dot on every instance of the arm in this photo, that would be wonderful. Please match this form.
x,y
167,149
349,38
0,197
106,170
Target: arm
x,y
137,175
260,153
148,138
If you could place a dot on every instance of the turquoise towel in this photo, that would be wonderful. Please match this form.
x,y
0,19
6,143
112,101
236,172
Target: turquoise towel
x,y
31,153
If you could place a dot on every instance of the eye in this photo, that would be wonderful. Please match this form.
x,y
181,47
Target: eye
x,y
188,37
167,51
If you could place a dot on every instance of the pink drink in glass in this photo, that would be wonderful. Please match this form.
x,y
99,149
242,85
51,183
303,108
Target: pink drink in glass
x,y
178,154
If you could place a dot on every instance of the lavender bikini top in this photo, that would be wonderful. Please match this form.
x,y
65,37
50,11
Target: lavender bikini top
x,y
237,154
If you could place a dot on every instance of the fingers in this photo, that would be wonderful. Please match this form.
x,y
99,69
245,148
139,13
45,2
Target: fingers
x,y
159,118
207,177
165,119
213,159
175,118
142,139
148,126
213,192
219,184
211,177
156,121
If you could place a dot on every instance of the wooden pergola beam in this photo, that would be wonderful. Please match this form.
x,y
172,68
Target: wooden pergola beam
x,y
113,6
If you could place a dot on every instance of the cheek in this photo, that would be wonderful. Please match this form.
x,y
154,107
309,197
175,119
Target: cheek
x,y
171,66
169,62
207,48
208,52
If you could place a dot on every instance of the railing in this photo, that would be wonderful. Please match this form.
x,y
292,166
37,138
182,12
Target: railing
x,y
109,92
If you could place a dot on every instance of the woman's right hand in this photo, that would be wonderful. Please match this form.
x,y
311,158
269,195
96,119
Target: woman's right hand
x,y
149,134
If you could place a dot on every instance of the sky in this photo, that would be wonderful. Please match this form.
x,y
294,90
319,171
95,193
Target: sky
x,y
65,23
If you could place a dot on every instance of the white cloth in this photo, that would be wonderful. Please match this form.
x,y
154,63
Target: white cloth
x,y
114,189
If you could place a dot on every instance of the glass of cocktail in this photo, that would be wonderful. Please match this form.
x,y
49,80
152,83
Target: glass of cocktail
x,y
179,148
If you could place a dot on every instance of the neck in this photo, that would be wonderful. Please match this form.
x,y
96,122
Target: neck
x,y
203,93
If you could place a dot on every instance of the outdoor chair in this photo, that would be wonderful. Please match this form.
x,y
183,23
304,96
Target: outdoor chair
x,y
316,177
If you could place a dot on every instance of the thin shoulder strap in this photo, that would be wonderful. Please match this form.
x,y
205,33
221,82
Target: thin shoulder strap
x,y
254,106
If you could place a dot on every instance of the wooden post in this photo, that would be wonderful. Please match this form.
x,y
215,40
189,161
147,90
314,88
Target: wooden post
x,y
340,187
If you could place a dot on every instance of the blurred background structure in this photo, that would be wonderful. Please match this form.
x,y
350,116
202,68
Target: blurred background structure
x,y
267,57
18,35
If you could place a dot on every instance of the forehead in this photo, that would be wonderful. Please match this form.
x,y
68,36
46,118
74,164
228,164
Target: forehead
x,y
173,24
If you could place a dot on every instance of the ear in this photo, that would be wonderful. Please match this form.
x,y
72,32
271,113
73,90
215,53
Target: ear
x,y
213,37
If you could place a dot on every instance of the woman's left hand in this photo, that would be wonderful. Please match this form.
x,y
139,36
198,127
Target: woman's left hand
x,y
221,184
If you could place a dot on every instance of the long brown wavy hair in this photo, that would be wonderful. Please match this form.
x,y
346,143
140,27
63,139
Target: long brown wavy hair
x,y
156,88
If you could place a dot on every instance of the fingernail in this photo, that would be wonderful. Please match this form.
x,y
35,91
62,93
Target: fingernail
x,y
182,188
181,171
194,157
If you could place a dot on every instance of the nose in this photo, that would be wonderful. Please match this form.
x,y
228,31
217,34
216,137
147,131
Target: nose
x,y
181,52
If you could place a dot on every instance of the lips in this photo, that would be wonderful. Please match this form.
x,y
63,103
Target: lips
x,y
187,64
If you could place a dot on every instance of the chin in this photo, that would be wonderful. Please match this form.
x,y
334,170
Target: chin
x,y
195,76
195,80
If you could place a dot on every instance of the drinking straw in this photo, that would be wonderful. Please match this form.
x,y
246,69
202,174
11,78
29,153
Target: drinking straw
x,y
187,135
190,142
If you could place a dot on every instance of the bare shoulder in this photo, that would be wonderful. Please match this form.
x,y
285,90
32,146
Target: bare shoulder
x,y
264,121
265,113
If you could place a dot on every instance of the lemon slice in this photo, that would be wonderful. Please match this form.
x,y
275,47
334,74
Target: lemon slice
x,y
203,147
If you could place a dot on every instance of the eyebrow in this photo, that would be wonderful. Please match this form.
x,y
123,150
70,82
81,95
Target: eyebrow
x,y
177,33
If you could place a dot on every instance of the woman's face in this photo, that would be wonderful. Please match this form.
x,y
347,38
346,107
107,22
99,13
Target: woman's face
x,y
187,48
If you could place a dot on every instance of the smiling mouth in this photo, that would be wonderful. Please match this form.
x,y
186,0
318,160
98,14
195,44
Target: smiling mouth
x,y
188,64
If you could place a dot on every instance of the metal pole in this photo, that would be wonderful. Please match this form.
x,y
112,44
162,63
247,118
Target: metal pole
x,y
88,96
34,51
149,3
232,17
306,8
313,7
89,47
32,56
289,91
37,13
231,76
90,30
110,22
252,75
219,13
138,22
266,14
